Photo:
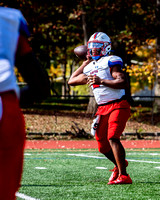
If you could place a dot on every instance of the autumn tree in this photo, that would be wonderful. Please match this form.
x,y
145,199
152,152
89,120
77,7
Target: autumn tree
x,y
54,29
57,27
127,22
157,63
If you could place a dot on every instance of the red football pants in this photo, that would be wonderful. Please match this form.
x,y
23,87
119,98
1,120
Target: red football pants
x,y
12,139
110,126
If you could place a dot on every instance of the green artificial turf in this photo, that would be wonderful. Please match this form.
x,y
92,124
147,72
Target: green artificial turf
x,y
73,175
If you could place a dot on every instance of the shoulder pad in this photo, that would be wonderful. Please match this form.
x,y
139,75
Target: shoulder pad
x,y
15,18
115,60
23,29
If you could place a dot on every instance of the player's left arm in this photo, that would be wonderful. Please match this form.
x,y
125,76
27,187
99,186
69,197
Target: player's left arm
x,y
119,81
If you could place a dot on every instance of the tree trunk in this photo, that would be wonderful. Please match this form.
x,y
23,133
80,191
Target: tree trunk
x,y
92,105
64,90
91,108
84,26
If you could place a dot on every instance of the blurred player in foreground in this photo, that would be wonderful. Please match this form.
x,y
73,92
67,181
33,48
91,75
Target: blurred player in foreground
x,y
15,50
104,74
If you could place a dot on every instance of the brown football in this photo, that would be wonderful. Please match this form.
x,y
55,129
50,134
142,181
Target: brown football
x,y
81,51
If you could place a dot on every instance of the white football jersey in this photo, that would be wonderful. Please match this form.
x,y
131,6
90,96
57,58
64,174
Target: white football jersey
x,y
101,68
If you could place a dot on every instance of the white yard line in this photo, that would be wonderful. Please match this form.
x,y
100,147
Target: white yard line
x,y
101,168
143,161
141,153
23,196
157,167
86,156
98,157
40,168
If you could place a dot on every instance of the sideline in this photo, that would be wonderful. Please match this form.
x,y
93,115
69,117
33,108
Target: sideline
x,y
87,144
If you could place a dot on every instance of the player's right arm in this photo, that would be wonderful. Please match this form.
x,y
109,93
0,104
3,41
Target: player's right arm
x,y
78,77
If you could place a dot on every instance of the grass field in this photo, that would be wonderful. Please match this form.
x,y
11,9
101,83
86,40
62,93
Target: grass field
x,y
83,175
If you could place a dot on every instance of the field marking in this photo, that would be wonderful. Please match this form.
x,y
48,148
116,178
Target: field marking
x,y
157,167
97,157
139,153
55,153
83,155
40,154
143,161
23,196
101,168
40,168
27,154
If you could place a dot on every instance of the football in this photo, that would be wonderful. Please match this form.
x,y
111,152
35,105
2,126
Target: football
x,y
81,51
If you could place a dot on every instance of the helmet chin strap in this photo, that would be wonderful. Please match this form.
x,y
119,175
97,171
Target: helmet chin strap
x,y
95,57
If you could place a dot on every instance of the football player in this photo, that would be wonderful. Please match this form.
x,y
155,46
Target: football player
x,y
15,50
104,74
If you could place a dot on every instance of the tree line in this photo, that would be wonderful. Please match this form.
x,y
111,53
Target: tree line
x,y
57,27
